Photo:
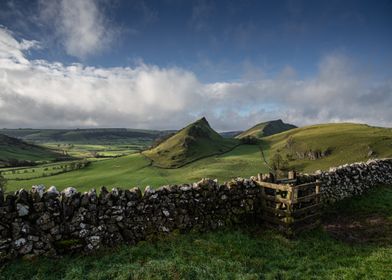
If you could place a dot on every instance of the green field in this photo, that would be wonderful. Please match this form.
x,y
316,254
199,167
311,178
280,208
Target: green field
x,y
22,147
246,253
43,170
136,170
99,150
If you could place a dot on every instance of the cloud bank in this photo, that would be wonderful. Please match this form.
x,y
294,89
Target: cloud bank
x,y
38,93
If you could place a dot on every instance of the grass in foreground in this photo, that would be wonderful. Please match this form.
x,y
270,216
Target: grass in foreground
x,y
250,253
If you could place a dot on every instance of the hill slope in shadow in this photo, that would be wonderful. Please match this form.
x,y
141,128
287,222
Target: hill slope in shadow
x,y
195,141
266,129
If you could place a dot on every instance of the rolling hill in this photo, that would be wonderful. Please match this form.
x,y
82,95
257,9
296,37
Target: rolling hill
x,y
322,146
345,143
195,141
266,129
14,151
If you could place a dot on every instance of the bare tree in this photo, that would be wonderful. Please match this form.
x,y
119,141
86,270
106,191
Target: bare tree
x,y
3,183
278,164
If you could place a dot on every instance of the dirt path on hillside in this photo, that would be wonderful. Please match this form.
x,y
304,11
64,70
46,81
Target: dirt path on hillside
x,y
368,229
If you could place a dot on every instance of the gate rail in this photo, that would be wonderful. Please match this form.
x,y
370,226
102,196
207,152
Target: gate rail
x,y
289,207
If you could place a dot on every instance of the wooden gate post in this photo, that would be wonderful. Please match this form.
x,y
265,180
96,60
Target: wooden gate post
x,y
290,208
268,178
292,175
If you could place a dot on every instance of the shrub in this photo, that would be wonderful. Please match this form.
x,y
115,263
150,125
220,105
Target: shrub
x,y
290,157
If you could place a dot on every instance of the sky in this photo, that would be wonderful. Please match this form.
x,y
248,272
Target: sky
x,y
163,64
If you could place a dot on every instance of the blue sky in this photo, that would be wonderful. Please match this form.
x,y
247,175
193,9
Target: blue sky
x,y
252,60
228,36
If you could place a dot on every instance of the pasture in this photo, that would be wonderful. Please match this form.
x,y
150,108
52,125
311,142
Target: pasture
x,y
43,170
98,150
136,170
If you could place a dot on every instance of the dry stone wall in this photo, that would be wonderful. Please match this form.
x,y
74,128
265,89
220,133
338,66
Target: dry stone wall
x,y
350,179
42,222
47,222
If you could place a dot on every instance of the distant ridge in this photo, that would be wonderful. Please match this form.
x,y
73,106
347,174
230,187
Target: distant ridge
x,y
266,129
93,135
195,141
230,134
14,151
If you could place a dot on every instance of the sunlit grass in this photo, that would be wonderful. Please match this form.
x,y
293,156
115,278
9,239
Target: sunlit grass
x,y
136,170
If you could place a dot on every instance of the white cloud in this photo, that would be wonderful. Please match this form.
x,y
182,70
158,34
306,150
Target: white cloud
x,y
11,49
38,93
79,25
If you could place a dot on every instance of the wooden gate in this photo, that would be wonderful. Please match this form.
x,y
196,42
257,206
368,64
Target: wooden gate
x,y
289,207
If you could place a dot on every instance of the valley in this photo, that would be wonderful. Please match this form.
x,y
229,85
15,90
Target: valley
x,y
174,159
136,170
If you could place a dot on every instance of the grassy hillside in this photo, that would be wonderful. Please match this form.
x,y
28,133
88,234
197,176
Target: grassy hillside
x,y
135,170
266,129
347,142
13,150
247,253
101,135
331,144
195,141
